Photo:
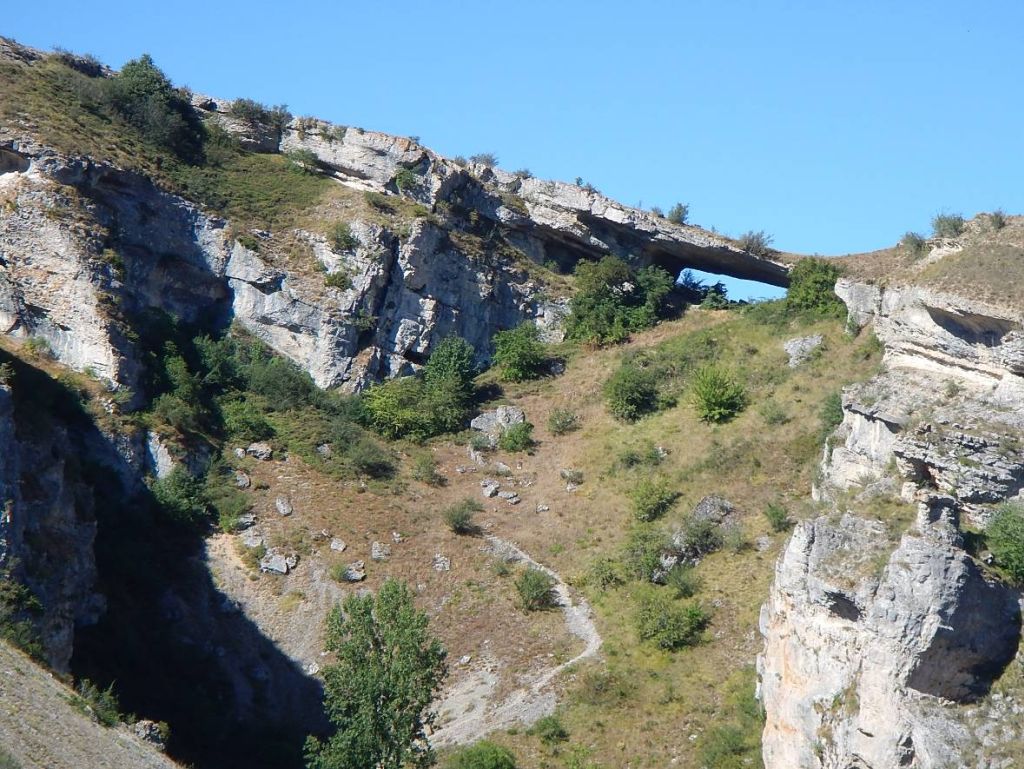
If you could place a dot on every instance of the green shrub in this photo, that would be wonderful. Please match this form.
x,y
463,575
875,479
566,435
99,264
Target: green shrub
x,y
604,687
679,213
19,609
604,573
668,624
482,755
652,499
777,517
407,180
716,395
451,366
304,160
366,457
341,237
459,517
536,589
424,470
181,497
222,496
101,704
647,455
519,353
612,300
997,219
1005,537
245,422
772,413
550,730
915,243
812,288
517,437
631,393
757,243
947,225
830,415
340,280
699,537
562,421
683,581
38,347
641,553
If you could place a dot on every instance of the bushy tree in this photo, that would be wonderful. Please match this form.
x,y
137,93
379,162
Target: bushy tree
x,y
143,97
612,300
812,287
451,365
378,694
519,353
679,213
947,225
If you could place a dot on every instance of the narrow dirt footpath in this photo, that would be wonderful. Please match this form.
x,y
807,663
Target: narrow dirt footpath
x,y
469,707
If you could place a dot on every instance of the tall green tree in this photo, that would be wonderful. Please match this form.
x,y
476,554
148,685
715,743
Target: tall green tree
x,y
378,693
519,353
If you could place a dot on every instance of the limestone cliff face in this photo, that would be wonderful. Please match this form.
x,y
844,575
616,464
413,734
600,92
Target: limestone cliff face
x,y
880,644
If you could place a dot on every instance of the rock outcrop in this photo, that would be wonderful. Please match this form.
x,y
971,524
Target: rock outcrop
x,y
881,644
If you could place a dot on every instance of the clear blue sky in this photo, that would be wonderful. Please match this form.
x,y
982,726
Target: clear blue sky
x,y
835,126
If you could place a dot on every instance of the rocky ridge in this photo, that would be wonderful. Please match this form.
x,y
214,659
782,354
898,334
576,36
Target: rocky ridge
x,y
119,245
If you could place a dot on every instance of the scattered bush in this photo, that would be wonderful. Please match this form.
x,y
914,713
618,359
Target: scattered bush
x,y
698,537
604,573
947,225
631,393
679,213
997,219
716,395
668,624
831,415
304,160
772,413
915,243
562,421
407,180
451,366
756,243
488,159
19,608
536,589
424,470
381,202
258,115
777,517
812,288
519,353
612,300
482,755
8,761
641,553
682,579
341,237
459,517
1005,536
340,280
550,730
647,455
37,347
245,422
101,704
517,437
652,499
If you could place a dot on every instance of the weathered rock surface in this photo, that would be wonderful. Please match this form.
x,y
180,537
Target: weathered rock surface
x,y
876,655
802,348
860,660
